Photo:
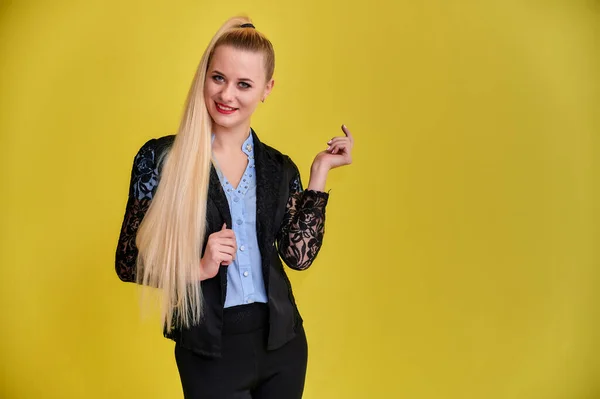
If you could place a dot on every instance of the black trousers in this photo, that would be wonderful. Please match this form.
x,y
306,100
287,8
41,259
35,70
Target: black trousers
x,y
246,370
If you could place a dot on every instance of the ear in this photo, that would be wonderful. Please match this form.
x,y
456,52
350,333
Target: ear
x,y
268,89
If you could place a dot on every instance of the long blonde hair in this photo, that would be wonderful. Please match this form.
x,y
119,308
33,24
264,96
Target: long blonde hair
x,y
173,230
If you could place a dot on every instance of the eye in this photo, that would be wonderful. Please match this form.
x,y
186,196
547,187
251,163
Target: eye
x,y
217,78
244,85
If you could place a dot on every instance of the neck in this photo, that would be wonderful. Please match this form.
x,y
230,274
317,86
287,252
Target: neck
x,y
230,139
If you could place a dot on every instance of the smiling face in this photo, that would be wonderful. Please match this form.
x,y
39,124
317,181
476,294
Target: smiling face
x,y
235,83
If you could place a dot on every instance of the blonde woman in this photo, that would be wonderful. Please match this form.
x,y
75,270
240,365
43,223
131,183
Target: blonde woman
x,y
211,212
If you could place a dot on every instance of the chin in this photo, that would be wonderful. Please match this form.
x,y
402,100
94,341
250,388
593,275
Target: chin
x,y
226,123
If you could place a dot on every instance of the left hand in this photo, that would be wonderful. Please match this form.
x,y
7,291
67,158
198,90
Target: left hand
x,y
338,152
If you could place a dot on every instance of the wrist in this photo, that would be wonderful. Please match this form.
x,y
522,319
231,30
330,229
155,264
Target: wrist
x,y
202,273
318,177
319,168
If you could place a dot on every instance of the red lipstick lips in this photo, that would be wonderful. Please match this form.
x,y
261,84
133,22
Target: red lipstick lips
x,y
223,109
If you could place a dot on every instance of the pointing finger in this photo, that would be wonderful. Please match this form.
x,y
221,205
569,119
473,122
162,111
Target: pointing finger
x,y
347,132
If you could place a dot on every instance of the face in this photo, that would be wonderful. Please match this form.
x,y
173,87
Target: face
x,y
235,84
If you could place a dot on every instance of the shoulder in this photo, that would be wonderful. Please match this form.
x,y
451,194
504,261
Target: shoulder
x,y
163,144
156,146
152,152
282,159
146,166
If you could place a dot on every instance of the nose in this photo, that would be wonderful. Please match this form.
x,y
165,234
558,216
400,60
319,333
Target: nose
x,y
228,93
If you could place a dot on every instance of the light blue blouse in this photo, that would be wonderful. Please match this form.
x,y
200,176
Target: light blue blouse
x,y
245,283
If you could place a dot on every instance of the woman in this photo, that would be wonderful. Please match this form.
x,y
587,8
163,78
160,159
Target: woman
x,y
211,234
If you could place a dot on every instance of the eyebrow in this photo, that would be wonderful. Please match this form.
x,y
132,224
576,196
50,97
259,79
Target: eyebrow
x,y
242,79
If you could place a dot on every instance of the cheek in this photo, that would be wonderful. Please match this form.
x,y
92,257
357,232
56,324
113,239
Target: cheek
x,y
250,100
211,87
207,90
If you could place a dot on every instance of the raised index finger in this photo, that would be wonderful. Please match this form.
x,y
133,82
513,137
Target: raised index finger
x,y
347,133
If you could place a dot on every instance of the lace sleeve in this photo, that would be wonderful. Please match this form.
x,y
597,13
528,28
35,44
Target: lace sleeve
x,y
144,180
301,234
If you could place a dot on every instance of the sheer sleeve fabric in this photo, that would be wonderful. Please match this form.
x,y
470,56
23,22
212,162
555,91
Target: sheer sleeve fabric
x,y
142,187
301,234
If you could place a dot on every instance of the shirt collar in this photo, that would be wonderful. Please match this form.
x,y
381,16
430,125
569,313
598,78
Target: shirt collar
x,y
247,145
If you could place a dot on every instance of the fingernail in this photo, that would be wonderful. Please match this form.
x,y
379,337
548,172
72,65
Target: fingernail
x,y
328,148
329,142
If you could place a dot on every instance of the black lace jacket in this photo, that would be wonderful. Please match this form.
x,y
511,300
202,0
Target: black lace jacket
x,y
298,238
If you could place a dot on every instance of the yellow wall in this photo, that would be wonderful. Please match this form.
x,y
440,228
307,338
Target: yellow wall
x,y
459,254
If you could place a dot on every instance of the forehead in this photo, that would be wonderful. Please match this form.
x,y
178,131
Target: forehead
x,y
238,63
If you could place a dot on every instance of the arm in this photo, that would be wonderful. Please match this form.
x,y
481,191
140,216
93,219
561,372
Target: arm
x,y
143,183
301,234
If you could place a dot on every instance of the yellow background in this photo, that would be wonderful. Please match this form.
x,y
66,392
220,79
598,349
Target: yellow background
x,y
459,259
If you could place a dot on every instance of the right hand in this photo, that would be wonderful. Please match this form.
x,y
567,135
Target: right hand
x,y
220,250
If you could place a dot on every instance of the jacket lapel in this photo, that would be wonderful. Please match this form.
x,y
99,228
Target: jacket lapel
x,y
217,196
269,173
